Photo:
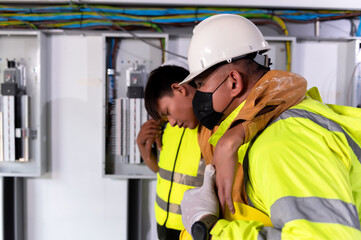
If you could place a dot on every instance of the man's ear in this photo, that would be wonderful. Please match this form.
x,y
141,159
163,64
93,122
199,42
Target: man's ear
x,y
179,89
237,83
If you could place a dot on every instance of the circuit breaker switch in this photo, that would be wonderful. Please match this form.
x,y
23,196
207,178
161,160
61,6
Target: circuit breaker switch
x,y
21,132
135,92
9,89
136,77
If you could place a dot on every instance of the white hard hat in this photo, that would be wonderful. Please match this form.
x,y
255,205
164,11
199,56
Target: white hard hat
x,y
221,38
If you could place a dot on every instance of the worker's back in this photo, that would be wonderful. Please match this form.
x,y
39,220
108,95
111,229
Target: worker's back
x,y
304,171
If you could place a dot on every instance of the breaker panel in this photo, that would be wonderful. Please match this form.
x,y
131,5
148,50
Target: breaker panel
x,y
14,105
128,62
337,64
22,104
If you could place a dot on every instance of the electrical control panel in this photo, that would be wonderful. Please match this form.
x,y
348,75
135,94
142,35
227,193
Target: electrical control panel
x,y
128,61
22,103
333,66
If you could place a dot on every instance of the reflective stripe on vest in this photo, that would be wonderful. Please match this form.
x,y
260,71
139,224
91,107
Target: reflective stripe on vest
x,y
313,209
323,122
269,233
193,181
174,208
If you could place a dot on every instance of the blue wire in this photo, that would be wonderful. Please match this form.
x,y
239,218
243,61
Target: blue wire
x,y
111,50
285,14
358,32
307,16
303,17
14,9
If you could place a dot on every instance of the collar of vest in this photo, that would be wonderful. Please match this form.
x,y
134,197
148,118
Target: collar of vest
x,y
226,123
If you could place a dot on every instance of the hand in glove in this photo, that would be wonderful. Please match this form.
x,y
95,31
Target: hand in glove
x,y
199,202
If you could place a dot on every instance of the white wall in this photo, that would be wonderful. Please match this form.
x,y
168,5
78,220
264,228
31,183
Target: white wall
x,y
74,201
1,209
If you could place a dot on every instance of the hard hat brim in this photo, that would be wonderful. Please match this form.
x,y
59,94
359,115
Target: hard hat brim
x,y
191,76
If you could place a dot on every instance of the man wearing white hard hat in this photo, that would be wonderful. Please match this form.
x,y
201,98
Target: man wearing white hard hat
x,y
303,169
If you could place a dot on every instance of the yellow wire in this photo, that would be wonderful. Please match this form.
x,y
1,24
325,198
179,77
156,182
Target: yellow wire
x,y
288,45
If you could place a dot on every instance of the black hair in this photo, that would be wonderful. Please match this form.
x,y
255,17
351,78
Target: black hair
x,y
159,85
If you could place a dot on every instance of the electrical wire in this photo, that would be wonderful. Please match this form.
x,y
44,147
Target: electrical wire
x,y
114,53
133,34
86,17
19,21
166,16
112,43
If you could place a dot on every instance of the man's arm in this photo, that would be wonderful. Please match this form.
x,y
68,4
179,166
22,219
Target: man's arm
x,y
225,160
149,133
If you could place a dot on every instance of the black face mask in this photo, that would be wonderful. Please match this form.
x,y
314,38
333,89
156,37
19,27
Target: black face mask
x,y
203,108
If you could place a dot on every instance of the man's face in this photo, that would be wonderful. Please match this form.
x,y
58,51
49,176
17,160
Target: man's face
x,y
178,110
216,83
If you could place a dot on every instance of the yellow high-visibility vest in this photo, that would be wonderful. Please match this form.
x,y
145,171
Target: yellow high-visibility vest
x,y
180,169
304,172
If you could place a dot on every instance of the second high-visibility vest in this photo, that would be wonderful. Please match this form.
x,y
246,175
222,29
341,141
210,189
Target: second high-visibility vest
x,y
304,172
180,169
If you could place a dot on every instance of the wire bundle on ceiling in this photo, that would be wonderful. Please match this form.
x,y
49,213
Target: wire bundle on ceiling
x,y
89,17
84,16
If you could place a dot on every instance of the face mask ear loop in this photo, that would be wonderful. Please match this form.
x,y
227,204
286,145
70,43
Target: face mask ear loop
x,y
216,90
220,84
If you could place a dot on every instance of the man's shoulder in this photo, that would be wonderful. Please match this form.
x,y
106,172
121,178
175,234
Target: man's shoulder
x,y
282,130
